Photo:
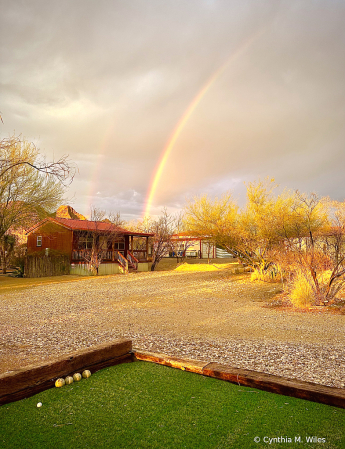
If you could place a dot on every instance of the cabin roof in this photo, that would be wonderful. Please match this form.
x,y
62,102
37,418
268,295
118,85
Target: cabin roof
x,y
186,236
87,225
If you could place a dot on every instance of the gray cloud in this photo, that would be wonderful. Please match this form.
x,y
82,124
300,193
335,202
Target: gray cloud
x,y
108,81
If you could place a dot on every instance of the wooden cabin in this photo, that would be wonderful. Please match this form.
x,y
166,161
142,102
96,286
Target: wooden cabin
x,y
77,238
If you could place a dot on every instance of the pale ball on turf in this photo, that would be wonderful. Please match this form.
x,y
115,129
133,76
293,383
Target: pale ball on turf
x,y
76,377
60,382
39,404
69,380
86,373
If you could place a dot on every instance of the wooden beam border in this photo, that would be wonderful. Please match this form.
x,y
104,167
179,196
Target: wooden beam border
x,y
254,379
33,379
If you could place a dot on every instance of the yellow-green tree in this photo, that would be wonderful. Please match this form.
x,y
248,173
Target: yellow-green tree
x,y
251,233
27,185
296,235
214,220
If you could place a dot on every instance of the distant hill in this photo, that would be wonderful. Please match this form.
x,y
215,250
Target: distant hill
x,y
68,212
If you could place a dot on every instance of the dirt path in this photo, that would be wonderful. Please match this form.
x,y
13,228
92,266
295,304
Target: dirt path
x,y
202,315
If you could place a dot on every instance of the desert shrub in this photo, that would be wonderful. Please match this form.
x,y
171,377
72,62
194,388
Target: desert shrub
x,y
271,274
18,272
257,275
301,294
17,261
324,277
18,264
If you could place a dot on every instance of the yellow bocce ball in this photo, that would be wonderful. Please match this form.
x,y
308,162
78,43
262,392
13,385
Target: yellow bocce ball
x,y
76,377
60,382
69,380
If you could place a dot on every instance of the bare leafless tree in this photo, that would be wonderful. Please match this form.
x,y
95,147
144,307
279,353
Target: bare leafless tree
x,y
182,241
163,229
103,231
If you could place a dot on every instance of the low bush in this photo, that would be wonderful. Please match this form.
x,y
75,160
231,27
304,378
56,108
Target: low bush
x,y
301,294
18,263
272,274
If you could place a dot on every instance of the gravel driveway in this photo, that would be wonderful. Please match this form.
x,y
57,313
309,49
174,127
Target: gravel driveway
x,y
211,316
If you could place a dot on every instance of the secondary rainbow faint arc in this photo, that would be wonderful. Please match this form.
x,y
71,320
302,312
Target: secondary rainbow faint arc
x,y
187,114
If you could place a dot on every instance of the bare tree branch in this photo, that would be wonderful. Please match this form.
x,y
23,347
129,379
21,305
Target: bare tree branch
x,y
163,229
14,152
99,240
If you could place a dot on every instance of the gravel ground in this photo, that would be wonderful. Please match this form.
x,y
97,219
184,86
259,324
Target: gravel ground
x,y
210,316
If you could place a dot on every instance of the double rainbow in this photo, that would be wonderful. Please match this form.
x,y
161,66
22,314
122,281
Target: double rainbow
x,y
186,116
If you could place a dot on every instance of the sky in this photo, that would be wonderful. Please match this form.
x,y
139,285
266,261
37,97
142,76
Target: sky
x,y
229,91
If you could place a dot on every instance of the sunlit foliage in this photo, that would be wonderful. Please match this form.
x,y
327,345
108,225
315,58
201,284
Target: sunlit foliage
x,y
291,237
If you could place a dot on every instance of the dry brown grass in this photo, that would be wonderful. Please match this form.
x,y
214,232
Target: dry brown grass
x,y
10,284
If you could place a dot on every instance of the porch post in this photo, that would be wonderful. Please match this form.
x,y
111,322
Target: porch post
x,y
131,244
147,248
126,245
72,248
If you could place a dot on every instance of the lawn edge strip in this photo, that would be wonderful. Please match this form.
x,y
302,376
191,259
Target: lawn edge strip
x,y
33,379
262,381
194,366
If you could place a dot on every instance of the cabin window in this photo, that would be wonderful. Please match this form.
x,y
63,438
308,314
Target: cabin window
x,y
85,242
119,244
39,240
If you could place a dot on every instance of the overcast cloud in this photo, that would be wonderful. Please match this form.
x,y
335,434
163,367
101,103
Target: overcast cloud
x,y
107,81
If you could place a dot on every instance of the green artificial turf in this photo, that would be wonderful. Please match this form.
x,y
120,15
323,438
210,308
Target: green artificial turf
x,y
143,405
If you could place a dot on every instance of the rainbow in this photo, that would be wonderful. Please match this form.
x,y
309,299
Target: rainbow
x,y
90,197
186,116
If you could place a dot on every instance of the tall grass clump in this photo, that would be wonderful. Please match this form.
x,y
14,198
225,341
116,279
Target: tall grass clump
x,y
301,294
273,273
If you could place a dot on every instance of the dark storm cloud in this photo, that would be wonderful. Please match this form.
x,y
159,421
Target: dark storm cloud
x,y
112,78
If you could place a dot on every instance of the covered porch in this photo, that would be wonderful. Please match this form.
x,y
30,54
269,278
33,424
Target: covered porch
x,y
129,250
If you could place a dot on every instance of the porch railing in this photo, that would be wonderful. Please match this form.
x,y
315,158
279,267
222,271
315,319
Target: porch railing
x,y
122,261
140,255
82,254
134,257
132,260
